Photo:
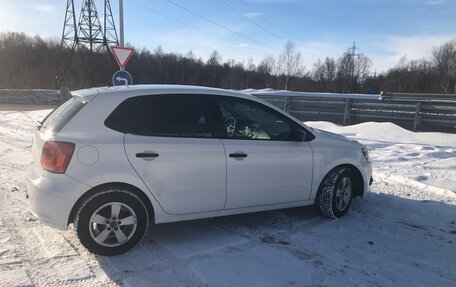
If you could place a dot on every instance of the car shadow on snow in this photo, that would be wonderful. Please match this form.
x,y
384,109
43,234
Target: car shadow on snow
x,y
387,234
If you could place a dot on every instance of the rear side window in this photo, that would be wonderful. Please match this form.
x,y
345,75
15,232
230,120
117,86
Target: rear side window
x,y
163,115
58,118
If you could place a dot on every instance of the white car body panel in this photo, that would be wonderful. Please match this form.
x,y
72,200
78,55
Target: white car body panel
x,y
188,176
195,178
331,150
273,172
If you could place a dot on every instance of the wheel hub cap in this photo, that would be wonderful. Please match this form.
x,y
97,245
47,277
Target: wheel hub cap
x,y
112,224
343,194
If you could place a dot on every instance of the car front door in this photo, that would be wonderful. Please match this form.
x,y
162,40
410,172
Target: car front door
x,y
267,161
171,146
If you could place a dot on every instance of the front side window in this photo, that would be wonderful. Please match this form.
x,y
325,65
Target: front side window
x,y
246,119
163,115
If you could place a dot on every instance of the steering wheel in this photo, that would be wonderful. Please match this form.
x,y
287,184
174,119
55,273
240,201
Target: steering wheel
x,y
230,124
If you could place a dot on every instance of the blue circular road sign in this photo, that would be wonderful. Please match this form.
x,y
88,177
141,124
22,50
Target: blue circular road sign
x,y
122,78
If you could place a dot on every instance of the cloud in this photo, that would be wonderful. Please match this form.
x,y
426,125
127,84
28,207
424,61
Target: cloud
x,y
436,2
31,17
47,8
252,14
413,47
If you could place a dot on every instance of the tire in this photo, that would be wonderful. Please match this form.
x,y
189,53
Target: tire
x,y
336,192
111,222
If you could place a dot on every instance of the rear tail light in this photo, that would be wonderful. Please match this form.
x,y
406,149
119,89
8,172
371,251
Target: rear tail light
x,y
56,156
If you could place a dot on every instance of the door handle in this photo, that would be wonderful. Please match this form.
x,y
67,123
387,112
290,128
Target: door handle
x,y
238,155
147,155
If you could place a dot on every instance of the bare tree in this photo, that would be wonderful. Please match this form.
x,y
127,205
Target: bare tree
x,y
352,71
266,65
290,64
250,64
444,58
214,65
363,65
324,74
31,62
345,72
215,59
266,69
330,66
319,71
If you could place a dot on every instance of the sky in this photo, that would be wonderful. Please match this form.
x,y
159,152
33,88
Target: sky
x,y
384,30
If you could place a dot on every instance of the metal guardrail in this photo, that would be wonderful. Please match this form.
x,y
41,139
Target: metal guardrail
x,y
416,112
418,97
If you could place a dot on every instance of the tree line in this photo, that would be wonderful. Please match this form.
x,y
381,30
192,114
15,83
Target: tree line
x,y
34,62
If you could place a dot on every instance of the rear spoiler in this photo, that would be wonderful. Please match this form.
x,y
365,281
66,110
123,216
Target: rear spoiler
x,y
85,95
79,98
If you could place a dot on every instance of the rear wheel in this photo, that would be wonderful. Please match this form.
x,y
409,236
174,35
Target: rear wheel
x,y
336,192
111,222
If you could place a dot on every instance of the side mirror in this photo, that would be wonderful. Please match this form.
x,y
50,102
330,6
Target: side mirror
x,y
298,135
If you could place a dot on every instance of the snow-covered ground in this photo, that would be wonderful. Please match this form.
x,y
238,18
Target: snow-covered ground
x,y
401,234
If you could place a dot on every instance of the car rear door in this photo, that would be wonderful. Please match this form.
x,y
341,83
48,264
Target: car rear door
x,y
171,146
265,163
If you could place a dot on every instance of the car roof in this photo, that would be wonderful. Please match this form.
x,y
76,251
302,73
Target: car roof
x,y
136,90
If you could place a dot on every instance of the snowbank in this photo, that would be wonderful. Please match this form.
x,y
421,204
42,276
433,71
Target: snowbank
x,y
30,97
424,160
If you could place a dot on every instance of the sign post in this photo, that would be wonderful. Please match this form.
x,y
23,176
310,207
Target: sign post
x,y
122,56
121,20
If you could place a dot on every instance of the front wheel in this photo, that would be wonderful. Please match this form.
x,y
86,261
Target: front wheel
x,y
111,222
336,192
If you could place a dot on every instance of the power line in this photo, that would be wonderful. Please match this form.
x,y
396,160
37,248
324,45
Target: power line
x,y
249,20
304,46
270,22
215,23
175,19
312,55
186,24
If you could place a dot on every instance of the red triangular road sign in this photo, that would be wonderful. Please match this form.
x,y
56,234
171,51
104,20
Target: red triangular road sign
x,y
122,55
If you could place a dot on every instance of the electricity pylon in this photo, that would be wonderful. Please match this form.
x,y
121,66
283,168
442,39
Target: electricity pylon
x,y
87,34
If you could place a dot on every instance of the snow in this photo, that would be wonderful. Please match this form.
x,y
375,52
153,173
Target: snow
x,y
424,161
195,237
265,267
403,233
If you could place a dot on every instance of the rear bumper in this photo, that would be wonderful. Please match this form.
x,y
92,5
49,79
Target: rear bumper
x,y
52,196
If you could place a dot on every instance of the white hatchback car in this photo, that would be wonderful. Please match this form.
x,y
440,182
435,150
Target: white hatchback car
x,y
114,160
